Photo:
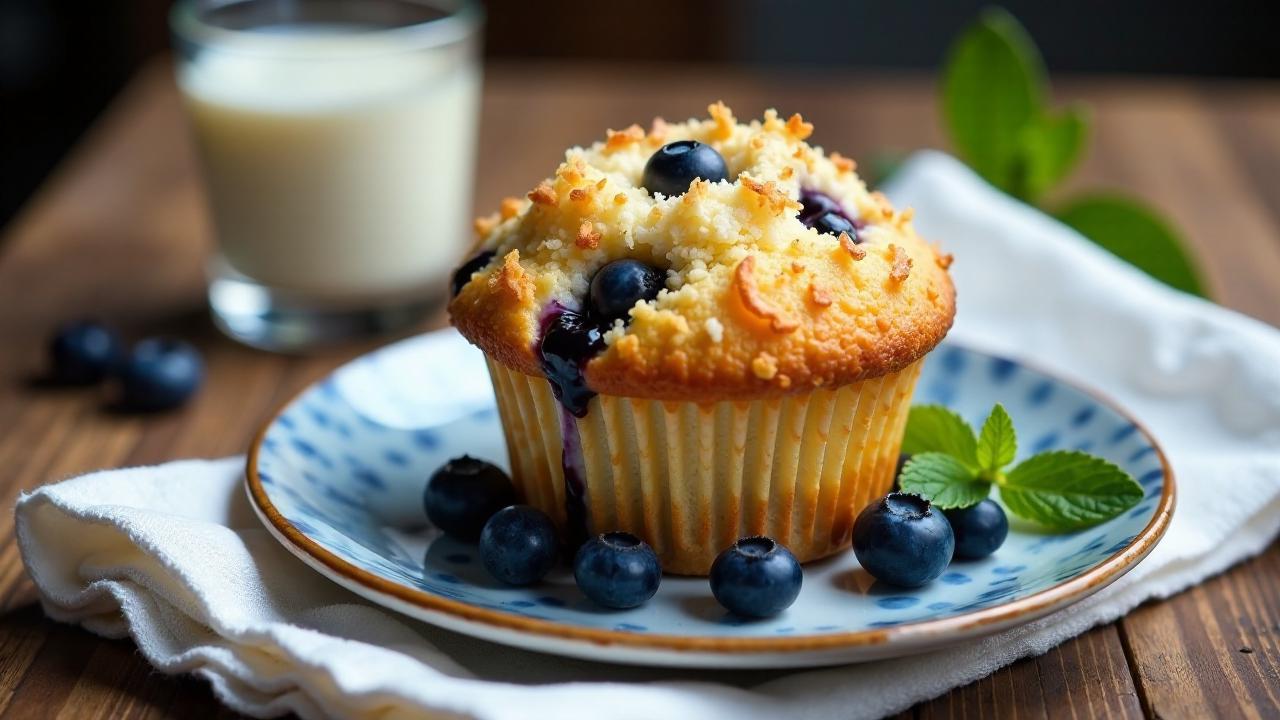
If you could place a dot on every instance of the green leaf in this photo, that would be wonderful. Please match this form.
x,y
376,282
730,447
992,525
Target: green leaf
x,y
998,442
1049,148
1068,490
1134,233
943,481
993,85
934,428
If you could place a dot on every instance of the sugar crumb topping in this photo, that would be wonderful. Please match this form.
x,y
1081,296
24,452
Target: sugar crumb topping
x,y
763,289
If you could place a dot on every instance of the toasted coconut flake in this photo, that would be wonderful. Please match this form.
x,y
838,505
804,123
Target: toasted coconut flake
x,y
842,163
852,247
798,128
544,194
820,296
511,207
901,263
769,195
618,139
724,120
512,280
484,224
749,293
588,238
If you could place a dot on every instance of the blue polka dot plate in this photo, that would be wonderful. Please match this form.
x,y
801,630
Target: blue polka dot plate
x,y
337,477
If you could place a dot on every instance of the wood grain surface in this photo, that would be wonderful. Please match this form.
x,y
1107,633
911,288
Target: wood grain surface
x,y
120,233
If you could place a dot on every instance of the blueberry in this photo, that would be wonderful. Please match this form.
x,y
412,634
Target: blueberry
x,y
463,274
833,224
675,165
518,545
756,578
83,352
569,340
901,540
160,374
464,493
814,204
618,286
617,570
979,529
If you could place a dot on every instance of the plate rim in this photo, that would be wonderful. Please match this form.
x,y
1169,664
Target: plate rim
x,y
958,626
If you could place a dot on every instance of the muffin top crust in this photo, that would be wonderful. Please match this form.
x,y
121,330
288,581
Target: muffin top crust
x,y
757,302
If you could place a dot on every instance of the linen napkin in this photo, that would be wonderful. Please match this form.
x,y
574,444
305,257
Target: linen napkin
x,y
173,556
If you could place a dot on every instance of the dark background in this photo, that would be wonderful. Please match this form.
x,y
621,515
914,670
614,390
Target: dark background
x,y
61,61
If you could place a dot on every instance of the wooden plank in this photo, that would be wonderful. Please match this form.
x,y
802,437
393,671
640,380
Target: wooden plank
x,y
1213,651
21,636
1085,677
61,659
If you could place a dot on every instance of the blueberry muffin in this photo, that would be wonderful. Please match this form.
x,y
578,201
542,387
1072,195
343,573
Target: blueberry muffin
x,y
704,331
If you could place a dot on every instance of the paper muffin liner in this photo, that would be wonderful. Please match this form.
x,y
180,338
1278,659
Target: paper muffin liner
x,y
692,478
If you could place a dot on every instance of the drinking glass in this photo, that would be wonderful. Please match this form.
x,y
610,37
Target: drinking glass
x,y
337,141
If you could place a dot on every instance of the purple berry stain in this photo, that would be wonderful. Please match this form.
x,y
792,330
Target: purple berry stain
x,y
569,340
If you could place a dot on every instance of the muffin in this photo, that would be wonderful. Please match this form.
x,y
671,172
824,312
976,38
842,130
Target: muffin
x,y
704,331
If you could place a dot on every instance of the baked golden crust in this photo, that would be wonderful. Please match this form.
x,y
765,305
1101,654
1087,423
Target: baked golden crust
x,y
757,304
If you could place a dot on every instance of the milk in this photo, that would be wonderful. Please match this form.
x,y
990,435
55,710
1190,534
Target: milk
x,y
335,174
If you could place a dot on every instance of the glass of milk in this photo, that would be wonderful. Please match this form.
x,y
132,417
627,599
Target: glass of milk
x,y
337,139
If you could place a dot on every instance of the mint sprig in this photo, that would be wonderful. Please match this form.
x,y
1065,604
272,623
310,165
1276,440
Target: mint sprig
x,y
996,103
1061,490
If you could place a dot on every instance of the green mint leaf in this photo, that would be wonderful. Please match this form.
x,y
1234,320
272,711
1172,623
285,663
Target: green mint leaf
x,y
998,442
1049,148
993,85
1136,234
1067,490
934,428
943,480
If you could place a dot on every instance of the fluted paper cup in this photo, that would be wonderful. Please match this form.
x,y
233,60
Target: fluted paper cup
x,y
692,478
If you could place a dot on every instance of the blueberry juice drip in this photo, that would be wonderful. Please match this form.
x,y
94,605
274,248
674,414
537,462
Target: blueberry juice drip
x,y
569,340
575,482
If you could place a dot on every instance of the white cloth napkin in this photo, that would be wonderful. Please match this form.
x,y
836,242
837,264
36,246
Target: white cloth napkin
x,y
173,556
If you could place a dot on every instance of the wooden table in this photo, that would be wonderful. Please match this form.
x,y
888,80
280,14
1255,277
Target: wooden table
x,y
120,233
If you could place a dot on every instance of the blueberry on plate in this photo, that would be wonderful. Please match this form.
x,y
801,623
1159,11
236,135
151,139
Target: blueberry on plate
x,y
618,286
463,274
83,352
518,545
832,223
676,165
160,374
979,529
617,570
902,540
756,578
463,494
